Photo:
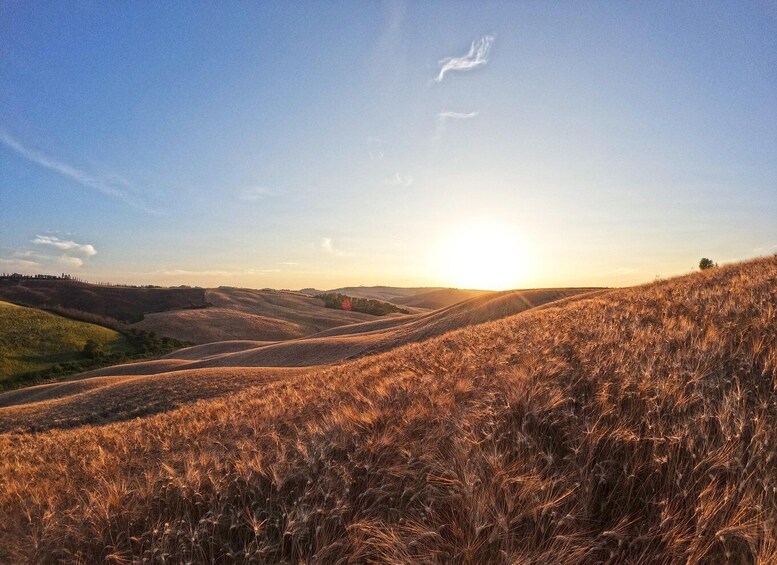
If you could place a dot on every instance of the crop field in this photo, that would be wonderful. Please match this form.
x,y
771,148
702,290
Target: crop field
x,y
632,426
31,339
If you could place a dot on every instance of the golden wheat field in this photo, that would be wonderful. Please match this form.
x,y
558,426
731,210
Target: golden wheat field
x,y
633,426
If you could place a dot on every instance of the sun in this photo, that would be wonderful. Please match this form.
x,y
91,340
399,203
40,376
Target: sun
x,y
486,256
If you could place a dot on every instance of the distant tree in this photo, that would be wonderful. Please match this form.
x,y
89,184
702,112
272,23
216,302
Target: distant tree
x,y
705,264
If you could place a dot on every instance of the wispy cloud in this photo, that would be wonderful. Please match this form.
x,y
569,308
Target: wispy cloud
x,y
18,264
400,180
65,245
111,185
456,115
71,262
328,246
256,193
212,272
446,116
41,262
477,56
184,272
375,148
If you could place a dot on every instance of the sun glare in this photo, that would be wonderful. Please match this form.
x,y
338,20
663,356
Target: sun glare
x,y
484,256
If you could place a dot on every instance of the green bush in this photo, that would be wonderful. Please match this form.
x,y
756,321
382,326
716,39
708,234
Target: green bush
x,y
706,263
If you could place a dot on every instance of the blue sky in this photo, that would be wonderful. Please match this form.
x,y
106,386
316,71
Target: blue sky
x,y
328,144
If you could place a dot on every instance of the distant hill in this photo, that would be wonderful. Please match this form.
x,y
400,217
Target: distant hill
x,y
107,305
187,314
32,340
244,313
421,298
355,340
386,293
441,298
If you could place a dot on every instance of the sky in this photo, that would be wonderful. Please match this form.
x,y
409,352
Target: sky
x,y
326,144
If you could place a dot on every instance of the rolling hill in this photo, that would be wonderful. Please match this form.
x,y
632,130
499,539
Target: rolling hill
x,y
625,426
441,298
356,340
106,305
248,314
31,340
420,298
186,314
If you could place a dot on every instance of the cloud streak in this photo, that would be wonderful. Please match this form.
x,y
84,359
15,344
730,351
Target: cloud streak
x,y
400,180
256,193
18,264
212,273
456,115
110,185
477,56
328,246
65,245
72,262
446,116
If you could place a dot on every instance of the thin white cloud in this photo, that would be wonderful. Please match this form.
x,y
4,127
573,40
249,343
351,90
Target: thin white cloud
x,y
65,245
375,148
446,116
18,264
400,180
456,115
212,273
328,246
112,185
290,263
185,272
256,193
71,262
476,57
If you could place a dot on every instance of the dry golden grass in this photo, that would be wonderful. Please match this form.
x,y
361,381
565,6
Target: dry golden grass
x,y
100,400
248,314
635,426
351,341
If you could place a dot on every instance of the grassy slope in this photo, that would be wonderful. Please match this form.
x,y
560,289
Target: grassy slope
x,y
635,426
357,340
103,304
239,313
439,298
31,339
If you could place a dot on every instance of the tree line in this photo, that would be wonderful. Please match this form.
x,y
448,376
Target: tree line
x,y
338,301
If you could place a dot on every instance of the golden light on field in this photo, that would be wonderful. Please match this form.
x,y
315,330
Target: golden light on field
x,y
485,256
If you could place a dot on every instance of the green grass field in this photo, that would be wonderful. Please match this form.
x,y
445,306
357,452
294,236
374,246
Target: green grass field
x,y
32,339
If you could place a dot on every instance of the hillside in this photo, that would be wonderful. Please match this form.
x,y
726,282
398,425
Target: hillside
x,y
31,340
417,298
386,293
106,305
629,426
357,340
248,314
440,298
186,314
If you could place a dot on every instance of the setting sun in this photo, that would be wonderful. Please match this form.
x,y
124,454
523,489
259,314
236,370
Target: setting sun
x,y
485,256
388,281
